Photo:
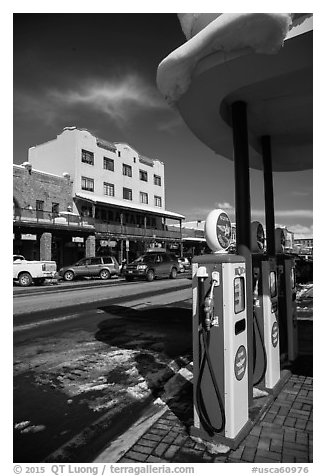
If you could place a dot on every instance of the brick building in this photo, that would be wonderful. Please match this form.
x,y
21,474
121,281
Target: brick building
x,y
44,226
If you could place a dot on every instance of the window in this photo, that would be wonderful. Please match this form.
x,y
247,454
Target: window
x,y
87,157
95,261
127,193
108,164
108,189
55,208
157,201
157,180
126,170
39,205
143,175
143,197
87,184
107,260
87,211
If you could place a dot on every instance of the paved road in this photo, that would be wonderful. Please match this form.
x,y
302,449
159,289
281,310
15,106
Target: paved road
x,y
92,358
32,300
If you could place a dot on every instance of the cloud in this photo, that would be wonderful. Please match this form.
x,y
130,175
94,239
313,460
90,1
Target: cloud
x,y
284,213
171,125
225,206
299,193
121,98
300,231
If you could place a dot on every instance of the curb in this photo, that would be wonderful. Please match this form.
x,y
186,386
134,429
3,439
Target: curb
x,y
119,447
156,409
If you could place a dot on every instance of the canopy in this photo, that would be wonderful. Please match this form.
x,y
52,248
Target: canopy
x,y
240,57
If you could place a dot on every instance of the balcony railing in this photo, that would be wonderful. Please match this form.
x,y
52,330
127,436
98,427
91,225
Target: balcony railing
x,y
42,217
136,231
32,216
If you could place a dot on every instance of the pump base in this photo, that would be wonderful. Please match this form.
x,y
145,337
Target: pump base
x,y
255,411
284,376
232,443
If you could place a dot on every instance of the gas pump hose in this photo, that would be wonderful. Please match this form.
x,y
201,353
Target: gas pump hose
x,y
255,347
202,412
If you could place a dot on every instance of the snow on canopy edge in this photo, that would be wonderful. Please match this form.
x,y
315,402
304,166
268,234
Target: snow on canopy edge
x,y
258,32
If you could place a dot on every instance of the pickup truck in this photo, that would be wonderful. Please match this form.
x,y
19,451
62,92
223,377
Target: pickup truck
x,y
27,272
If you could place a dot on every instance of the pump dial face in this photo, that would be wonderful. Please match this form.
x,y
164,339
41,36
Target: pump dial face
x,y
218,230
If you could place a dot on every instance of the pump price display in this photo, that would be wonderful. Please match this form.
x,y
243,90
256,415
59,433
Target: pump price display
x,y
240,363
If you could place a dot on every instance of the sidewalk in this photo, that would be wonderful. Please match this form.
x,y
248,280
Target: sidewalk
x,y
282,430
282,433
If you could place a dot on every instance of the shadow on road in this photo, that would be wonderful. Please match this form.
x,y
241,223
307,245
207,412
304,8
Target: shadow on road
x,y
158,334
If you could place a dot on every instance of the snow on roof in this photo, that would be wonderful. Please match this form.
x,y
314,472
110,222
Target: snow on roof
x,y
228,32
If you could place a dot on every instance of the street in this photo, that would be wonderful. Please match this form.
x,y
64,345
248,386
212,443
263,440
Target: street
x,y
88,359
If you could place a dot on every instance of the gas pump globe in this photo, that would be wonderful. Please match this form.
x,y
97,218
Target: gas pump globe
x,y
220,338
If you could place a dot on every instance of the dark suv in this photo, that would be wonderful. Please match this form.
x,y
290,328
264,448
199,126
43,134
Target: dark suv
x,y
151,265
97,267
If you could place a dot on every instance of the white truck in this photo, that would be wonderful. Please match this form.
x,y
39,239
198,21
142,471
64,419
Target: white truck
x,y
27,272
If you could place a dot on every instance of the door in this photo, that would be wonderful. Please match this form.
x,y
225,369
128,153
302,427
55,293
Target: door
x,y
81,268
163,268
94,266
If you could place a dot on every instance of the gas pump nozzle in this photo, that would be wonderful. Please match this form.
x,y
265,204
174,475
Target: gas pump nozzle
x,y
209,302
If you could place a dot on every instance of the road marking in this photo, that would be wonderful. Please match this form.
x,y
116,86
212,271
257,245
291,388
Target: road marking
x,y
135,304
25,327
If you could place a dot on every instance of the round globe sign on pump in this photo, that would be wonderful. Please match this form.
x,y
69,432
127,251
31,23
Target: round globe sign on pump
x,y
257,237
218,230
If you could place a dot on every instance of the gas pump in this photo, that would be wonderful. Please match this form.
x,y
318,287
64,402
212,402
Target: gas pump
x,y
266,351
286,299
220,338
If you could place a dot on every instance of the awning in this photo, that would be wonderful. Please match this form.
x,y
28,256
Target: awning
x,y
111,201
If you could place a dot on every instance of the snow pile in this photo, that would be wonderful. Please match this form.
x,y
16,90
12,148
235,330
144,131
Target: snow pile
x,y
261,32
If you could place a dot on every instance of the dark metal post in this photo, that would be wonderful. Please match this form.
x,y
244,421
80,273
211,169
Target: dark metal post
x,y
269,195
243,217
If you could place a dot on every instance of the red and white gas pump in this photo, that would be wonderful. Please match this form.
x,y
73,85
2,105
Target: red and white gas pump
x,y
286,299
220,338
265,308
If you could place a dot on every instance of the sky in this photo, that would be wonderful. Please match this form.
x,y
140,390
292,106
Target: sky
x,y
98,72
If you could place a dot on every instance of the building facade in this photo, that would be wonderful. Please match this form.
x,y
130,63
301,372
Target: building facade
x,y
120,192
44,226
304,246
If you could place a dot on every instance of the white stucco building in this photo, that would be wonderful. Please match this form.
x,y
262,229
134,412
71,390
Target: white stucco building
x,y
121,190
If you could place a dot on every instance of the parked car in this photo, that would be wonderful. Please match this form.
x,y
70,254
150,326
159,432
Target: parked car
x,y
19,257
97,267
152,265
185,264
28,272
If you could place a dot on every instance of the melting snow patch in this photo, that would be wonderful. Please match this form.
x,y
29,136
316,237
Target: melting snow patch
x,y
213,448
257,393
33,429
138,391
22,425
260,32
